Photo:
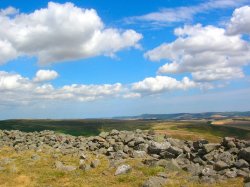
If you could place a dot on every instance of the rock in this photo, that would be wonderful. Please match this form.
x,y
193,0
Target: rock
x,y
114,132
175,150
242,173
156,148
84,167
95,163
231,144
123,169
234,150
245,154
150,162
231,174
83,156
241,164
142,147
186,149
173,165
125,149
210,147
139,140
226,140
138,131
103,134
194,169
139,154
226,157
35,157
247,179
220,165
168,155
118,146
155,182
199,144
162,174
129,138
208,172
110,149
176,142
199,160
247,184
60,166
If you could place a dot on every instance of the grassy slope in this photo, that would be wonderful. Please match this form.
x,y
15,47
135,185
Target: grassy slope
x,y
42,173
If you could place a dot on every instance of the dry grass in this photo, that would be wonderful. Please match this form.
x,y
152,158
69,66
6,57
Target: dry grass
x,y
25,172
169,128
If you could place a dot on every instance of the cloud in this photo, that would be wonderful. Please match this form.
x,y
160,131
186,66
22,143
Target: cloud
x,y
12,81
131,95
239,23
10,11
45,75
182,14
159,84
15,88
205,52
60,32
18,90
7,52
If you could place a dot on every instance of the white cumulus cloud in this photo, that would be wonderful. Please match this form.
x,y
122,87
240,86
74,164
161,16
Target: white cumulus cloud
x,y
15,88
45,75
240,21
160,84
60,32
208,53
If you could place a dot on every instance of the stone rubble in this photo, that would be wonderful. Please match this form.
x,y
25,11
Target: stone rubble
x,y
206,162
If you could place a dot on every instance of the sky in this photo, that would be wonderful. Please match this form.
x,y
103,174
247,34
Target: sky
x,y
92,58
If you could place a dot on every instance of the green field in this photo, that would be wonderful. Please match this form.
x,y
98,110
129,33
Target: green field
x,y
74,127
180,129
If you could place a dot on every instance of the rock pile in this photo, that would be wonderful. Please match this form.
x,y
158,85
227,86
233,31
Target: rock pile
x,y
206,162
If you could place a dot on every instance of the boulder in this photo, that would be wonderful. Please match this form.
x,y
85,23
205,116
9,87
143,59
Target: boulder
x,y
84,167
103,134
245,154
210,147
220,165
139,154
231,174
60,166
156,181
129,138
241,164
123,169
156,148
175,150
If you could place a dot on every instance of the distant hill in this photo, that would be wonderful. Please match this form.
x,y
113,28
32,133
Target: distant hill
x,y
188,116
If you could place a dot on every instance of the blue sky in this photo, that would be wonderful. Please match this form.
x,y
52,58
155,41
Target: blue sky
x,y
79,59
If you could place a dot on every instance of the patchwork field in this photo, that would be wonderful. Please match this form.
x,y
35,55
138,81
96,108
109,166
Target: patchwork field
x,y
182,129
